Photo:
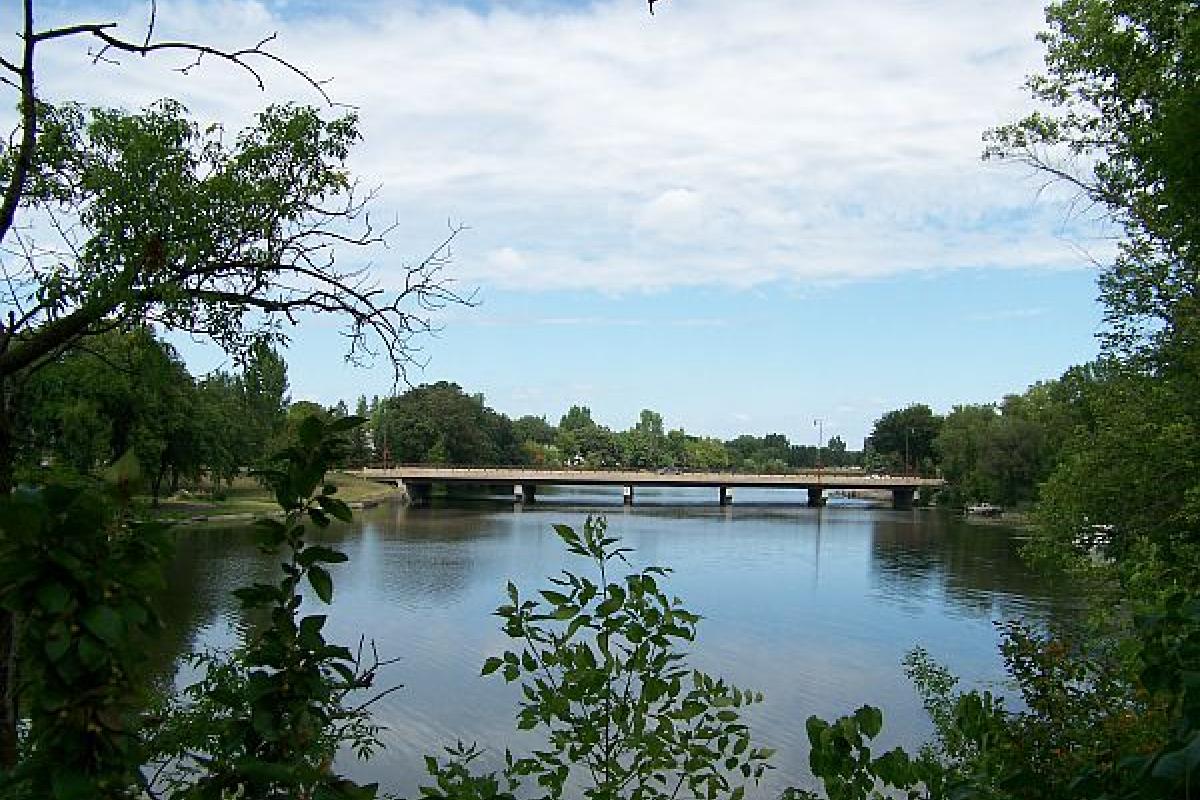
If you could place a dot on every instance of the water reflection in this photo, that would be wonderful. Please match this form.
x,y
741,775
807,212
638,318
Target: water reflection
x,y
815,607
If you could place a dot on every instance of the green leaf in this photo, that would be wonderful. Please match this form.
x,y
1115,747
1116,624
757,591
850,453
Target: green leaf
x,y
321,582
57,645
105,623
70,784
53,597
337,508
609,606
870,721
314,554
91,652
491,665
566,612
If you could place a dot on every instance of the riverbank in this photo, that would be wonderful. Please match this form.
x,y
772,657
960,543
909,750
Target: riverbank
x,y
247,499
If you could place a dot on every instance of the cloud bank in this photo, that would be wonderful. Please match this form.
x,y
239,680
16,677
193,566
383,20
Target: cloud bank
x,y
594,147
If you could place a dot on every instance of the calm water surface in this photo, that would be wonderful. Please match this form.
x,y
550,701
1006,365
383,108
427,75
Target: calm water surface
x,y
814,607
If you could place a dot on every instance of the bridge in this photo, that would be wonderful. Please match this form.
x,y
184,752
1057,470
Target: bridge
x,y
418,481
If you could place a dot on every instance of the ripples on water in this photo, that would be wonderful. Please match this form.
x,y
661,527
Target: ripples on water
x,y
814,607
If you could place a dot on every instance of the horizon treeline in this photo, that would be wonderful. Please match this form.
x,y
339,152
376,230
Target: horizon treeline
x,y
130,391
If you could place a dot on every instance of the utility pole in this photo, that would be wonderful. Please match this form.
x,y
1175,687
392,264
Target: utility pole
x,y
820,423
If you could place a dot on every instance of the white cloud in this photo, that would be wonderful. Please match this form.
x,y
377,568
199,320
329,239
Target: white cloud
x,y
716,143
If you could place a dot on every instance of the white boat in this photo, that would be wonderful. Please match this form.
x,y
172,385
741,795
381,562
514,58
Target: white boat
x,y
985,510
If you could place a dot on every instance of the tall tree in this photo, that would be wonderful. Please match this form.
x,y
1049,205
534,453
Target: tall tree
x,y
906,435
1122,85
439,423
110,220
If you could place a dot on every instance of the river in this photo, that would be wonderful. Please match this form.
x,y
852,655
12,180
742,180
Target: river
x,y
814,607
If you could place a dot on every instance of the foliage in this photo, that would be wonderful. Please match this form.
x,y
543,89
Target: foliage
x,y
604,676
1084,728
840,756
1131,469
905,437
992,454
1170,766
128,390
440,423
1122,89
79,576
267,722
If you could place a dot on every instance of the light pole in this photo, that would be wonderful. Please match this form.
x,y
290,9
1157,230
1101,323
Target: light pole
x,y
820,423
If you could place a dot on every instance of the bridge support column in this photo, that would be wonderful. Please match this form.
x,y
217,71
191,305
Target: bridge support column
x,y
902,498
418,493
815,498
524,493
726,495
628,495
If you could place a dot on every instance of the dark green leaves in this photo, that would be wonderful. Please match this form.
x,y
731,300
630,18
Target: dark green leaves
x,y
321,582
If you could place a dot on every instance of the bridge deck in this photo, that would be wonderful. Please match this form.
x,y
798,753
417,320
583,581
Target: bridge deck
x,y
576,477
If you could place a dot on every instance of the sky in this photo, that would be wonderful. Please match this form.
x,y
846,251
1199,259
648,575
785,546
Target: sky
x,y
746,216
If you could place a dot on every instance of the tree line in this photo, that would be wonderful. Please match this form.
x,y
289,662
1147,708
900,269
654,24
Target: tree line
x,y
996,452
129,391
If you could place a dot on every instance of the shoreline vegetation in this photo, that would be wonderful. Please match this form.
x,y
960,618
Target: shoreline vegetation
x,y
245,499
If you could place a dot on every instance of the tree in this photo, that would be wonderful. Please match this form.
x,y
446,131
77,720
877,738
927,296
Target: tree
x,y
124,392
534,429
835,452
439,423
706,453
360,453
906,435
109,220
576,418
1123,80
264,386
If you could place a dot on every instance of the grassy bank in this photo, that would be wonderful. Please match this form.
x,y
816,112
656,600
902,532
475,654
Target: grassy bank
x,y
246,498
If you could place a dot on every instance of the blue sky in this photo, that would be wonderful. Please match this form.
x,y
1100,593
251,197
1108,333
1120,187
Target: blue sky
x,y
742,215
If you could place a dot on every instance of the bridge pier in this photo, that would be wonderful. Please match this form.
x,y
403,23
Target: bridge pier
x,y
418,491
524,492
726,495
902,499
627,495
815,498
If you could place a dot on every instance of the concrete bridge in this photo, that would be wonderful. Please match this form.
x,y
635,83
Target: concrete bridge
x,y
418,481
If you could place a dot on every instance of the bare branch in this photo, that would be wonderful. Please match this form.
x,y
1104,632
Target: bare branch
x,y
240,57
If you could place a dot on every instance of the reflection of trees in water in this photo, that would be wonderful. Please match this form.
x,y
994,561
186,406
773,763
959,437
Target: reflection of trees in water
x,y
206,566
431,566
976,569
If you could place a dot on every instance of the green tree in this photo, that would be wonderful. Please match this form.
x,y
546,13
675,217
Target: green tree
x,y
264,396
707,453
126,391
906,436
165,220
360,451
1122,89
440,421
